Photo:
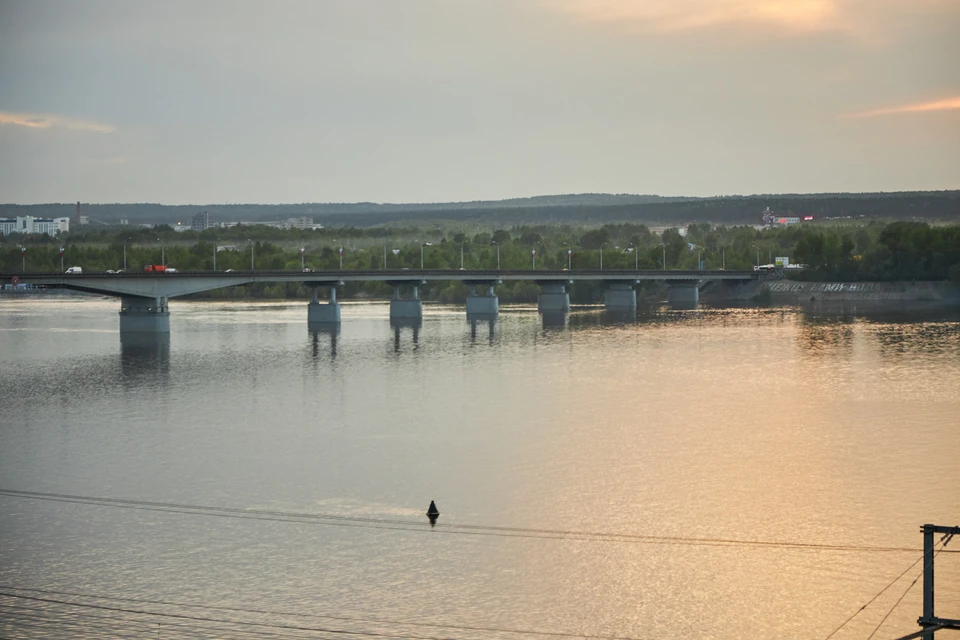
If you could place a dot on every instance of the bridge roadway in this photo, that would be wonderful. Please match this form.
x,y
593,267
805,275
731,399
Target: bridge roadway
x,y
144,295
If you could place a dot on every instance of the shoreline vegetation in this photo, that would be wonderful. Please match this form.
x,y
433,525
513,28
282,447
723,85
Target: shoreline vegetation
x,y
832,252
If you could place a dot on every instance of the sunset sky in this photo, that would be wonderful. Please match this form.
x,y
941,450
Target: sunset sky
x,y
446,100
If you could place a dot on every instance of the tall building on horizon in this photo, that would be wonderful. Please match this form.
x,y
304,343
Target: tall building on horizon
x,y
201,221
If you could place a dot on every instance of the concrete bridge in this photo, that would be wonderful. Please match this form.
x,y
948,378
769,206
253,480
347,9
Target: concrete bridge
x,y
144,296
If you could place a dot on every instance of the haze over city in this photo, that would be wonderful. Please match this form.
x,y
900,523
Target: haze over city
x,y
425,101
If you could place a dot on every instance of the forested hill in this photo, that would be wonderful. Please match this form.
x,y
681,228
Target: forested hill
x,y
573,208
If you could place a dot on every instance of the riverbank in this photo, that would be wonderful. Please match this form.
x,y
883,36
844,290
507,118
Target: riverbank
x,y
791,291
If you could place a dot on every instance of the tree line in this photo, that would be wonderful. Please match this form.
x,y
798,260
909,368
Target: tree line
x,y
848,252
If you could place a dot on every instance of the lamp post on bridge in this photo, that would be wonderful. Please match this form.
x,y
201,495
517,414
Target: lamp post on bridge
x,y
163,260
602,245
61,258
498,253
251,253
422,245
569,259
216,241
23,259
340,252
302,265
636,256
125,253
664,247
533,254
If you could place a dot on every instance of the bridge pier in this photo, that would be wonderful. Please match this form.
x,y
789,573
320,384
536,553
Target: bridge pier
x,y
683,293
326,314
144,315
482,305
553,297
406,311
620,296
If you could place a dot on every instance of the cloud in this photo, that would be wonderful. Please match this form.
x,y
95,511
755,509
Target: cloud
x,y
40,121
688,15
935,105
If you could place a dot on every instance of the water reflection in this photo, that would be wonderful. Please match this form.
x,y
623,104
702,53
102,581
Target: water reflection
x,y
398,324
490,319
554,320
318,329
144,354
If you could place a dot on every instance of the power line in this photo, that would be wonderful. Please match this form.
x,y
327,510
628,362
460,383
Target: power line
x,y
181,616
449,528
944,541
136,624
874,598
529,632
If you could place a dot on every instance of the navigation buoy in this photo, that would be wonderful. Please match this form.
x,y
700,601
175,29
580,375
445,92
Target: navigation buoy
x,y
433,513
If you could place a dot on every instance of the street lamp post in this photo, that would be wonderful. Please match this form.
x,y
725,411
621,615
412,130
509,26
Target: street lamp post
x,y
498,253
699,261
533,254
461,256
723,258
664,247
758,255
61,258
601,255
216,241
636,257
569,259
125,253
422,245
251,253
163,259
340,251
23,259
302,265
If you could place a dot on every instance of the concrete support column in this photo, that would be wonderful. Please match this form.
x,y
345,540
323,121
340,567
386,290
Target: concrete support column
x,y
323,314
684,292
483,305
620,296
144,315
553,297
405,310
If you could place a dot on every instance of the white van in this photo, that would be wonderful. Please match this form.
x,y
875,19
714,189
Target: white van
x,y
75,270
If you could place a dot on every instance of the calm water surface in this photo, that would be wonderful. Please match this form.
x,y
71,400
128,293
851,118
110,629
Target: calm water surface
x,y
837,427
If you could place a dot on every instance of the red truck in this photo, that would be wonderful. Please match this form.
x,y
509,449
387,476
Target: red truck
x,y
155,267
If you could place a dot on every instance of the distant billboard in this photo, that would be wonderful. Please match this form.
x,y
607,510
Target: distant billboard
x,y
782,262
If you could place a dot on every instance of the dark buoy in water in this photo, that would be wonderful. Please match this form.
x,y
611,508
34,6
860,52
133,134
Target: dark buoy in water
x,y
433,513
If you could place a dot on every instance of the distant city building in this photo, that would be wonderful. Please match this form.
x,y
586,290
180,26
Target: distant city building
x,y
30,224
201,221
124,221
297,223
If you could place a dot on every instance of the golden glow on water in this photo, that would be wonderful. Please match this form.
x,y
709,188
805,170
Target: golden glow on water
x,y
757,424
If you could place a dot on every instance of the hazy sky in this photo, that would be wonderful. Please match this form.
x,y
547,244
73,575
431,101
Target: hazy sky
x,y
433,100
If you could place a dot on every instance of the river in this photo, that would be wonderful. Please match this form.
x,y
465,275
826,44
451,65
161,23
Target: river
x,y
588,457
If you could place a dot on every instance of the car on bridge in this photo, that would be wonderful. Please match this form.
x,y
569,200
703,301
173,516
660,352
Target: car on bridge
x,y
74,270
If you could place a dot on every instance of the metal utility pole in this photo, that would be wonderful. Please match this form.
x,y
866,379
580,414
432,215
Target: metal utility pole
x,y
251,253
929,621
